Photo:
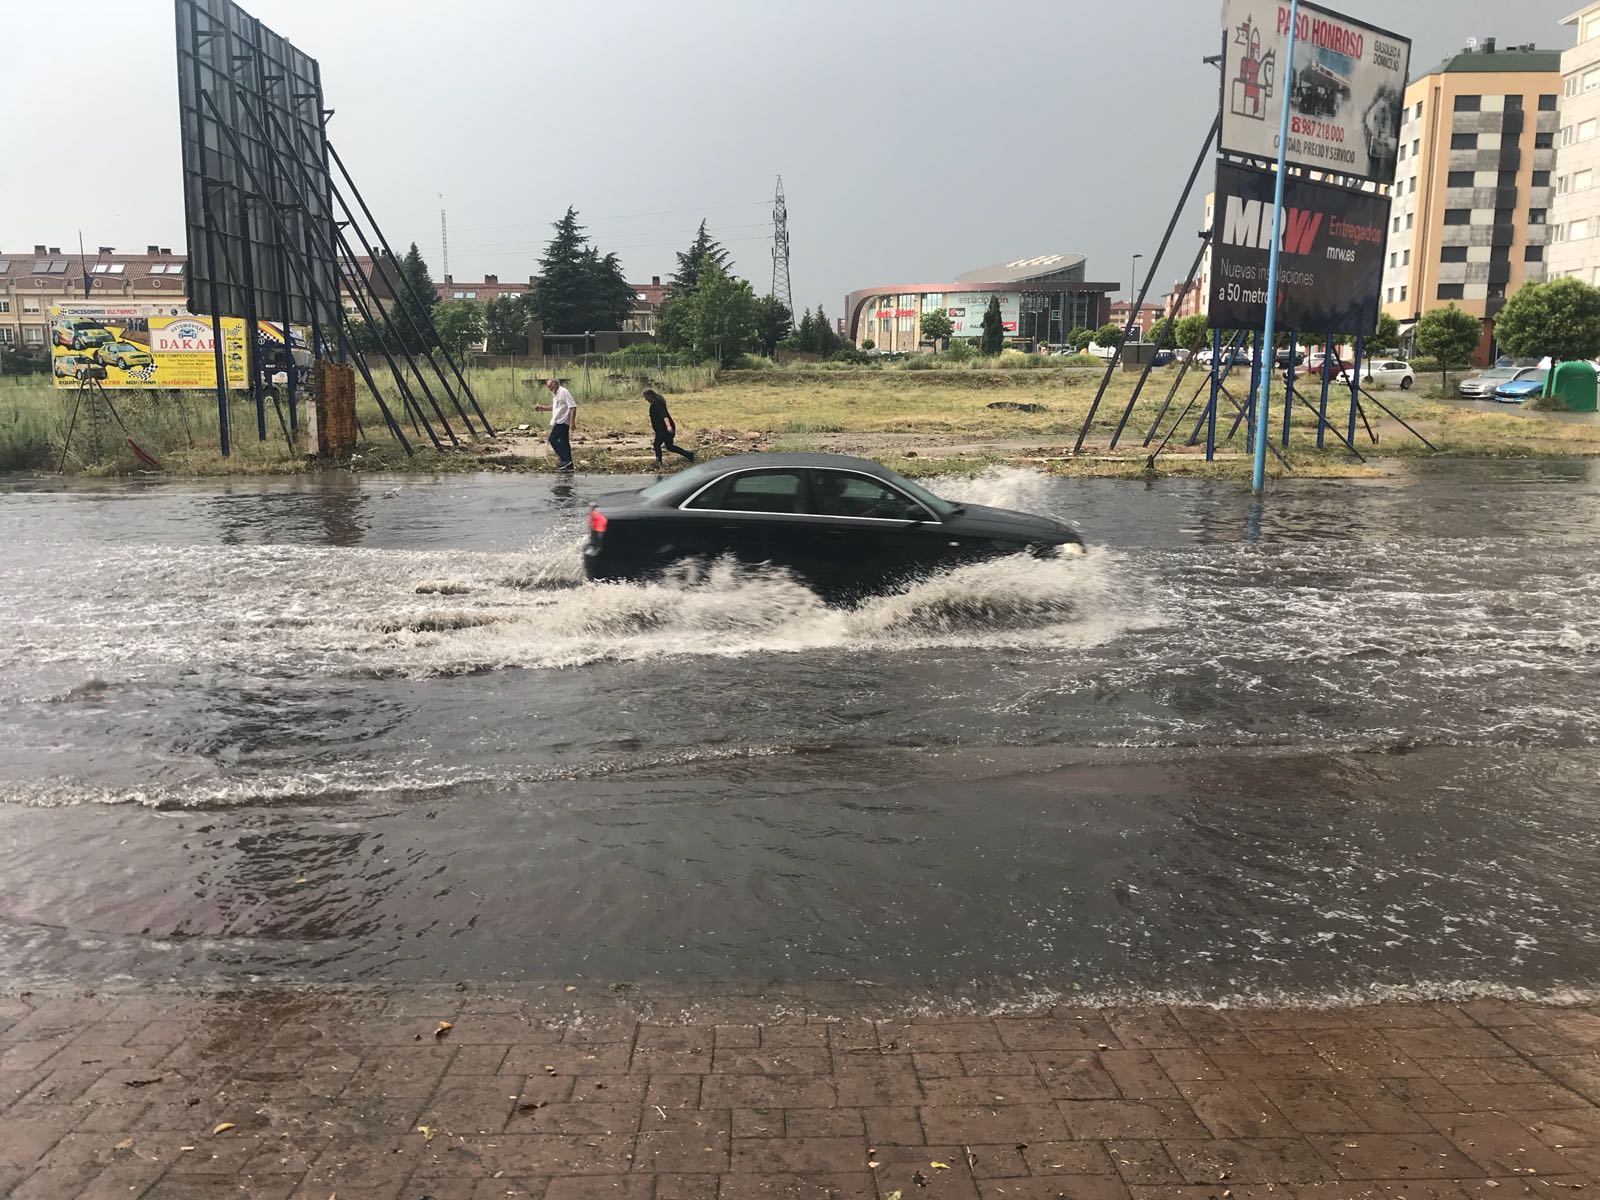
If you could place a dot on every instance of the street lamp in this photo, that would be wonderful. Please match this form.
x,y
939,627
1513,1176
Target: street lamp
x,y
1133,288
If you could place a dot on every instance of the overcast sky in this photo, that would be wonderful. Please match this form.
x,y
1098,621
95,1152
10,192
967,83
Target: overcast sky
x,y
916,140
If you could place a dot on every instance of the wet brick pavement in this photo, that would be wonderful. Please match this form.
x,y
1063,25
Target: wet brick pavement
x,y
812,1094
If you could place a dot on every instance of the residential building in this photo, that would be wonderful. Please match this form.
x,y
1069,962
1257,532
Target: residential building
x,y
1144,322
490,289
1469,221
648,298
1185,301
1575,210
31,283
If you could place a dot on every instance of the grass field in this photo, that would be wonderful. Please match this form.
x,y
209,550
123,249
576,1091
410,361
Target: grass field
x,y
919,420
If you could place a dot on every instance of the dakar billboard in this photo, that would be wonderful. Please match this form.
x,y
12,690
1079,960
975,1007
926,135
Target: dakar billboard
x,y
143,346
966,311
1345,85
1330,261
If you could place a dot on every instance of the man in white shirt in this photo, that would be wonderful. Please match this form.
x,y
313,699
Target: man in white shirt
x,y
563,410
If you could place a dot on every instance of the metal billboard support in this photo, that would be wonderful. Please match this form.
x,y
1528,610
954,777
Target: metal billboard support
x,y
1258,468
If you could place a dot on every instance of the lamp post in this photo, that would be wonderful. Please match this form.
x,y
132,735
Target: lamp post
x,y
1133,289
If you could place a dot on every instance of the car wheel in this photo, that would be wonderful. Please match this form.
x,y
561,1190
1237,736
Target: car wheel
x,y
1405,383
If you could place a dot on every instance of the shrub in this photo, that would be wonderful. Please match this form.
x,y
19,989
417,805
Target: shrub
x,y
922,362
851,357
869,344
959,352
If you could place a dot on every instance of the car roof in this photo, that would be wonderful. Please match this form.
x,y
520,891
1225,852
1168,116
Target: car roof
x,y
843,462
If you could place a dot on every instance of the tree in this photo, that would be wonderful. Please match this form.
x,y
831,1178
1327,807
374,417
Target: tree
x,y
704,249
722,313
460,324
994,330
506,323
1560,319
827,340
1109,334
1161,333
608,295
936,326
805,334
773,323
1450,336
363,338
1387,335
1190,333
1078,337
558,293
417,297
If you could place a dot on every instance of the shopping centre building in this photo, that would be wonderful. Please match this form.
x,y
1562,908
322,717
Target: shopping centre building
x,y
1040,300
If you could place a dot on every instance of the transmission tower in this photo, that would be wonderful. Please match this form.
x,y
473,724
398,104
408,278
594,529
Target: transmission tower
x,y
780,249
444,238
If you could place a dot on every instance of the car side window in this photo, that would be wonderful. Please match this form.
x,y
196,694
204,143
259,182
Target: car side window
x,y
842,494
753,491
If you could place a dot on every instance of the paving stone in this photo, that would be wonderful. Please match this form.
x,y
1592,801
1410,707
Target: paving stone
x,y
985,1089
910,1171
1560,1129
1084,1034
824,1122
1500,1145
1394,1156
1055,1187
1237,1110
1067,1158
1143,1162
1137,1074
837,1186
1131,1119
798,1155
1076,1077
952,1037
965,1124
1248,1160
785,1061
893,1125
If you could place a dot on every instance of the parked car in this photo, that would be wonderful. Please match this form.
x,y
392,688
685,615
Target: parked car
x,y
1281,357
124,355
1388,372
1482,385
1162,358
70,366
1529,382
845,525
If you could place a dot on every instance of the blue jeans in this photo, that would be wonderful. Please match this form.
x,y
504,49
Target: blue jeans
x,y
561,443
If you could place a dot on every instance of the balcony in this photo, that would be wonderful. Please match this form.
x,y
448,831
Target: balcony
x,y
1511,124
1498,272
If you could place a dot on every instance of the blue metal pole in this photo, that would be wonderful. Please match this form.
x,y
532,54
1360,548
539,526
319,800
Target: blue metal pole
x,y
1252,434
1355,388
1216,382
1258,473
1288,389
1322,408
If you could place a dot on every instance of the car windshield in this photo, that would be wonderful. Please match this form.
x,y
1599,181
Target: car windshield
x,y
695,475
1533,375
1499,373
941,506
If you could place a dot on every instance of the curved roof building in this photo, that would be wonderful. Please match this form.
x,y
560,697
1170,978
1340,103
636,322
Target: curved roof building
x,y
1041,298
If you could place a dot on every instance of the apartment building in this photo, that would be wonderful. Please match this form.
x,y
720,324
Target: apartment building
x,y
1474,184
1575,211
31,283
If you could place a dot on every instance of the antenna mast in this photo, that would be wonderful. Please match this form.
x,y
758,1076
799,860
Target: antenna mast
x,y
780,249
444,239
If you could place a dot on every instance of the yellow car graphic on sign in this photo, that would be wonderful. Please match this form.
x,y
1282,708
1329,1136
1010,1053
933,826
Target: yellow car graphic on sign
x,y
124,355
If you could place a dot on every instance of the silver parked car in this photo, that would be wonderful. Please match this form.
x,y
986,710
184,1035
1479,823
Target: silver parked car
x,y
1482,386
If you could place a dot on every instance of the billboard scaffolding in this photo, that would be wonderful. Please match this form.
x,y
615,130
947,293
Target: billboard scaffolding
x,y
264,240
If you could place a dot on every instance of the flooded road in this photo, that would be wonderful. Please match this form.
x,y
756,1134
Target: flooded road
x,y
1341,745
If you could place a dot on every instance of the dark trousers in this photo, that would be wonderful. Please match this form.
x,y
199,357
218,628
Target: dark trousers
x,y
664,442
561,443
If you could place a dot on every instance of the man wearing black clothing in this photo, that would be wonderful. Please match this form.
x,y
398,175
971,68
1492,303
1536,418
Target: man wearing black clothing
x,y
666,429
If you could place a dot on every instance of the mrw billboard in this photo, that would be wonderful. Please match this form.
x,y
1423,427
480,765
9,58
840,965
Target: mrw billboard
x,y
1330,262
1345,88
142,346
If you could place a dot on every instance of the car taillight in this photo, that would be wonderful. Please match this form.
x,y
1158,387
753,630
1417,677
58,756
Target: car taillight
x,y
597,521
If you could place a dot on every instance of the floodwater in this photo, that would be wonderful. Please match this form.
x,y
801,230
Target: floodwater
x,y
1335,746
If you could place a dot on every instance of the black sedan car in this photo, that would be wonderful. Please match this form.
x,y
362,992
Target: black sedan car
x,y
844,525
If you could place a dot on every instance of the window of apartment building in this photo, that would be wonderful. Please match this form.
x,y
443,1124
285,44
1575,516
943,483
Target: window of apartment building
x,y
1469,103
1409,220
1458,179
1501,254
30,304
1452,291
905,324
1537,216
1590,79
1389,297
5,306
1402,152
1402,293
1541,179
1463,141
1452,254
1394,258
1458,216
1411,189
1582,180
1591,27
1506,179
1533,254
1419,110
1544,141
1578,230
1513,104
1569,86
1416,145
33,335
1584,131
7,336
1397,224
1405,258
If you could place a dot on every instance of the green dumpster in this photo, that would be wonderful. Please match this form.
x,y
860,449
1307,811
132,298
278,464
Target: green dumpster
x,y
1574,384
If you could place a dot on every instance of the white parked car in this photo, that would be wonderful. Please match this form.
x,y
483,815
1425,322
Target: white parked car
x,y
1388,372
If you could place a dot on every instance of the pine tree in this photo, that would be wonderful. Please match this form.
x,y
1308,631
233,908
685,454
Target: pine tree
x,y
559,300
994,330
827,339
704,249
805,334
414,297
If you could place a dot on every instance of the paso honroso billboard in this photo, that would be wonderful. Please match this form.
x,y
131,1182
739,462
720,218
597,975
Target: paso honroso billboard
x,y
1345,88
1330,264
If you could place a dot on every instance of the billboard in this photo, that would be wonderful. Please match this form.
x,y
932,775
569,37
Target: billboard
x,y
143,346
1345,88
1330,261
257,196
966,311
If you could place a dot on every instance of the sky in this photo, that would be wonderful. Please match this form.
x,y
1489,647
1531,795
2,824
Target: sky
x,y
917,139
